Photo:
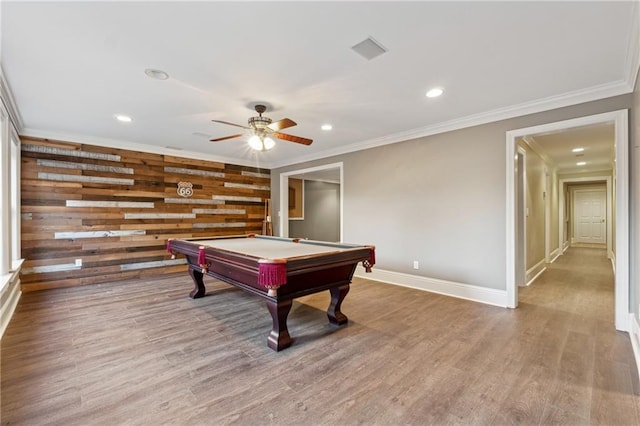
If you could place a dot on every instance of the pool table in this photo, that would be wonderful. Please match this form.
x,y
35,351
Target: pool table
x,y
276,269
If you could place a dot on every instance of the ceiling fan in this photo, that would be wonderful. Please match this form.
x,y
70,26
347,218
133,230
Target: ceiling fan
x,y
262,128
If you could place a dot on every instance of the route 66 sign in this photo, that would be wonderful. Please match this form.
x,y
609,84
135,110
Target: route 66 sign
x,y
185,189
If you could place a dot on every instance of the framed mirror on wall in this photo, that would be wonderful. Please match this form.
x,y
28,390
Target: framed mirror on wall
x,y
296,199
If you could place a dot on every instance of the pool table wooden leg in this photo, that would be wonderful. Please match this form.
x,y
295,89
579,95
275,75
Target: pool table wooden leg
x,y
337,296
199,290
279,337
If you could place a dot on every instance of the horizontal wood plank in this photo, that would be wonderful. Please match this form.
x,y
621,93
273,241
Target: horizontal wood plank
x,y
115,209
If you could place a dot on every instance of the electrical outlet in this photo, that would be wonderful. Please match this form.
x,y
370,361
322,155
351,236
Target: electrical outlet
x,y
416,264
78,262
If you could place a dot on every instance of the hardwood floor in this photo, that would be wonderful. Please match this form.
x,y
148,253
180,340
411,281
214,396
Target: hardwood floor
x,y
143,353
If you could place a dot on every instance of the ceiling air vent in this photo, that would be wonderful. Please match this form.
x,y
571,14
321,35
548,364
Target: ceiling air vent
x,y
369,49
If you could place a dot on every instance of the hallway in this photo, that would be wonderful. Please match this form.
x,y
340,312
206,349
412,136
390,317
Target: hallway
x,y
574,298
578,282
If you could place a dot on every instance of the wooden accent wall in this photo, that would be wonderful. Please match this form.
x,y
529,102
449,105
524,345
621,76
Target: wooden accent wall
x,y
115,209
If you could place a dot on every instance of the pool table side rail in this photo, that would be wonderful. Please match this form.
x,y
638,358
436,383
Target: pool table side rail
x,y
269,237
172,244
293,289
243,270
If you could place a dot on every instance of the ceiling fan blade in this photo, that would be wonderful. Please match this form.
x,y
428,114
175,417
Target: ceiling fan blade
x,y
230,124
291,138
281,124
227,137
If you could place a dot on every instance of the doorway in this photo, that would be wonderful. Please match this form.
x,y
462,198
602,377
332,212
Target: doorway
x,y
619,120
322,185
565,210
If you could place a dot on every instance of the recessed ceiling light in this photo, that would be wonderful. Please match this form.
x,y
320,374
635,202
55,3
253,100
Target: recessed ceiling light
x,y
123,118
326,127
581,163
434,93
577,150
157,74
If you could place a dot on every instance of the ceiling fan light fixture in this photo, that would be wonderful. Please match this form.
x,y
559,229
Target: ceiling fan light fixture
x,y
255,143
261,129
269,143
261,143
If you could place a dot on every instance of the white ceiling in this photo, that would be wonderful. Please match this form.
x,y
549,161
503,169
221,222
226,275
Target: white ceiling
x,y
72,65
597,140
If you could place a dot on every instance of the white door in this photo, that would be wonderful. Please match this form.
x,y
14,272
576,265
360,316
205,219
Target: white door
x,y
590,216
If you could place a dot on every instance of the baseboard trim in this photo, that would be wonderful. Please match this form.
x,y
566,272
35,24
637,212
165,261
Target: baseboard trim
x,y
634,335
9,304
474,293
536,276
555,255
612,257
535,272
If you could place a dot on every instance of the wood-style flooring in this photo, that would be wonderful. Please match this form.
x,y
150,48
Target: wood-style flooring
x,y
143,353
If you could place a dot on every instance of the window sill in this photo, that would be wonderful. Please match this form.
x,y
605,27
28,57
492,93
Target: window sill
x,y
11,276
16,265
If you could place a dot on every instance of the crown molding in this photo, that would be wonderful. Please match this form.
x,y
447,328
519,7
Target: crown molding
x,y
132,146
9,103
546,104
535,147
593,93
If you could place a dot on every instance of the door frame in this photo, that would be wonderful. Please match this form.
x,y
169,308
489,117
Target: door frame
x,y
621,175
547,216
283,213
521,217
